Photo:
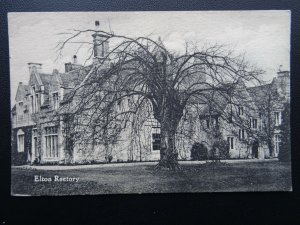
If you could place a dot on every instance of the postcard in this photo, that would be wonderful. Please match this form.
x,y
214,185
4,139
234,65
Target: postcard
x,y
149,102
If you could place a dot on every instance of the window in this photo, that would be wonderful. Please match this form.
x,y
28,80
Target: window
x,y
21,141
230,141
241,110
32,104
254,123
156,141
241,134
217,121
207,123
20,107
34,132
277,143
55,100
277,118
51,142
35,143
36,103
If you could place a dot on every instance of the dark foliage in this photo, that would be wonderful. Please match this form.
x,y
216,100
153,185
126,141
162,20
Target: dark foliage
x,y
199,151
220,150
285,145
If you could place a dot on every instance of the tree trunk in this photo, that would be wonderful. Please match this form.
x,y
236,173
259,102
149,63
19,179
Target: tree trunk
x,y
168,152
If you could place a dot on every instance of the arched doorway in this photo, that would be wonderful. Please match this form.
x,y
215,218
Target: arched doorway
x,y
255,146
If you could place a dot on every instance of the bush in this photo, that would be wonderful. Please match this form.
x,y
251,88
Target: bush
x,y
220,150
285,144
199,151
108,158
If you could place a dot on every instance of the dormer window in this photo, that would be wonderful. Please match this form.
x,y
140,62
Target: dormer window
x,y
55,100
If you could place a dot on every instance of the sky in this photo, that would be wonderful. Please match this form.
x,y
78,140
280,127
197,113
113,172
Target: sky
x,y
263,36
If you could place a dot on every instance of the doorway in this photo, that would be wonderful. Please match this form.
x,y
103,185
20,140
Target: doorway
x,y
255,146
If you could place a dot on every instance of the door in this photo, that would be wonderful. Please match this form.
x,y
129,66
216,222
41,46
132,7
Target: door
x,y
255,146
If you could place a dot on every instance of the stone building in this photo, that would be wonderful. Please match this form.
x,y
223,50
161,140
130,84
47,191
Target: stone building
x,y
41,136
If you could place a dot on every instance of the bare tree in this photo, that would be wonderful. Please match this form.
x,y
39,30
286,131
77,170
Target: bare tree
x,y
140,78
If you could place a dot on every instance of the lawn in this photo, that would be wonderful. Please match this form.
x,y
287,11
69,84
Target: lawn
x,y
223,177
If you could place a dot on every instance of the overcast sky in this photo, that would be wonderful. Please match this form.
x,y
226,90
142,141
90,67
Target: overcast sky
x,y
264,36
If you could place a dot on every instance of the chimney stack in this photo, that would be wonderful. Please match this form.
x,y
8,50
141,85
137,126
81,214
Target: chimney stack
x,y
72,65
74,59
101,44
97,24
34,67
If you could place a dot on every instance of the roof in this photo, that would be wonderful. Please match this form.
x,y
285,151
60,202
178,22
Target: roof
x,y
217,104
258,93
23,89
13,110
74,77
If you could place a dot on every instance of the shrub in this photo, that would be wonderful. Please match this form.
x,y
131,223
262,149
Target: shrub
x,y
220,150
285,145
199,151
108,158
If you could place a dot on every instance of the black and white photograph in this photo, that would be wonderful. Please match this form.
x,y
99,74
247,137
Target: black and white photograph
x,y
149,102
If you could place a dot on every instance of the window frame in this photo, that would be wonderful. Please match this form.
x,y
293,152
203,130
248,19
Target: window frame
x,y
231,142
51,142
277,141
277,118
20,141
55,103
254,121
240,110
156,141
241,134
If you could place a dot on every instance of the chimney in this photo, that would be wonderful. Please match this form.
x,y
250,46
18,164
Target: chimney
x,y
72,65
101,45
74,59
97,24
34,67
283,73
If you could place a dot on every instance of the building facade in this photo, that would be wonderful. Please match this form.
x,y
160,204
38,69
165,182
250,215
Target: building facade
x,y
40,136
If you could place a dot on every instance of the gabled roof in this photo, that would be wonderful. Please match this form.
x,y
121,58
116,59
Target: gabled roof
x,y
21,92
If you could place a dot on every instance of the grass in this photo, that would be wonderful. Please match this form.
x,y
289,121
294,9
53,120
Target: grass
x,y
246,176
